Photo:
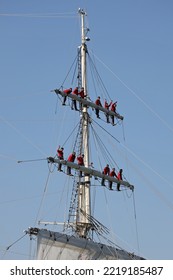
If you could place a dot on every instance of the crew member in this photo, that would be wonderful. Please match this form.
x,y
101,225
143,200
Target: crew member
x,y
106,171
73,104
113,109
112,174
60,155
80,161
106,106
82,95
67,91
71,158
119,177
98,103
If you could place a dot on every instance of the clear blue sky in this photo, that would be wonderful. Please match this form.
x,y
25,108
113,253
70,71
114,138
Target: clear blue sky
x,y
133,46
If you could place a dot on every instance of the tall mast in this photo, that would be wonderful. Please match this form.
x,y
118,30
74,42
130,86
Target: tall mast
x,y
82,223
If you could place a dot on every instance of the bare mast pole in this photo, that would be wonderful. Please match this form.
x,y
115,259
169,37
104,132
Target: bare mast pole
x,y
83,225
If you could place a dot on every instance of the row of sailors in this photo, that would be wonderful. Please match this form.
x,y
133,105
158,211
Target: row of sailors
x,y
80,161
109,106
76,92
112,105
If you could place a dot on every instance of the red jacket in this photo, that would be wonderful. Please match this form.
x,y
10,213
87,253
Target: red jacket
x,y
60,153
71,158
119,176
106,105
80,160
106,170
113,106
82,94
75,91
97,102
68,90
112,174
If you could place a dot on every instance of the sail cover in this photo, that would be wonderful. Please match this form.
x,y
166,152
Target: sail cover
x,y
58,246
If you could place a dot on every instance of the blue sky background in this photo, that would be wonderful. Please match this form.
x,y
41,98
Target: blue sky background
x,y
133,46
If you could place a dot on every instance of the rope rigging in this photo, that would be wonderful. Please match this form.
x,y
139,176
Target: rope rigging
x,y
75,61
93,72
98,77
107,156
77,125
8,247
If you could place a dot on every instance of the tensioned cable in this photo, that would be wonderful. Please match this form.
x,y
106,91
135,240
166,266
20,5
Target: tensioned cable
x,y
70,134
27,198
99,77
137,157
139,98
41,15
137,235
103,147
21,134
96,145
93,80
5,157
69,71
120,240
13,244
106,131
150,185
146,164
43,197
109,214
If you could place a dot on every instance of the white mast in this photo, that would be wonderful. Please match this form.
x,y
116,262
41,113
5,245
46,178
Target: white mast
x,y
82,223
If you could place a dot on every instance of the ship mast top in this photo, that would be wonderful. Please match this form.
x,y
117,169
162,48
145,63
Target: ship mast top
x,y
80,206
83,212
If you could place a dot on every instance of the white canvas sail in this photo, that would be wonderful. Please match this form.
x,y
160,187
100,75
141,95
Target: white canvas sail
x,y
57,246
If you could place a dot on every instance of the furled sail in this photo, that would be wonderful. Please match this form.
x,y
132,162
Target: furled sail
x,y
57,246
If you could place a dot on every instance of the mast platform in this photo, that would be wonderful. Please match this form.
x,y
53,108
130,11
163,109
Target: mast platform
x,y
90,171
87,103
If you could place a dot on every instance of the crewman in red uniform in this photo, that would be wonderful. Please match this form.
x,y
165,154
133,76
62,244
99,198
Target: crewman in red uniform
x,y
106,106
71,158
98,103
73,104
82,95
80,161
106,171
67,91
113,109
119,177
112,174
60,155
